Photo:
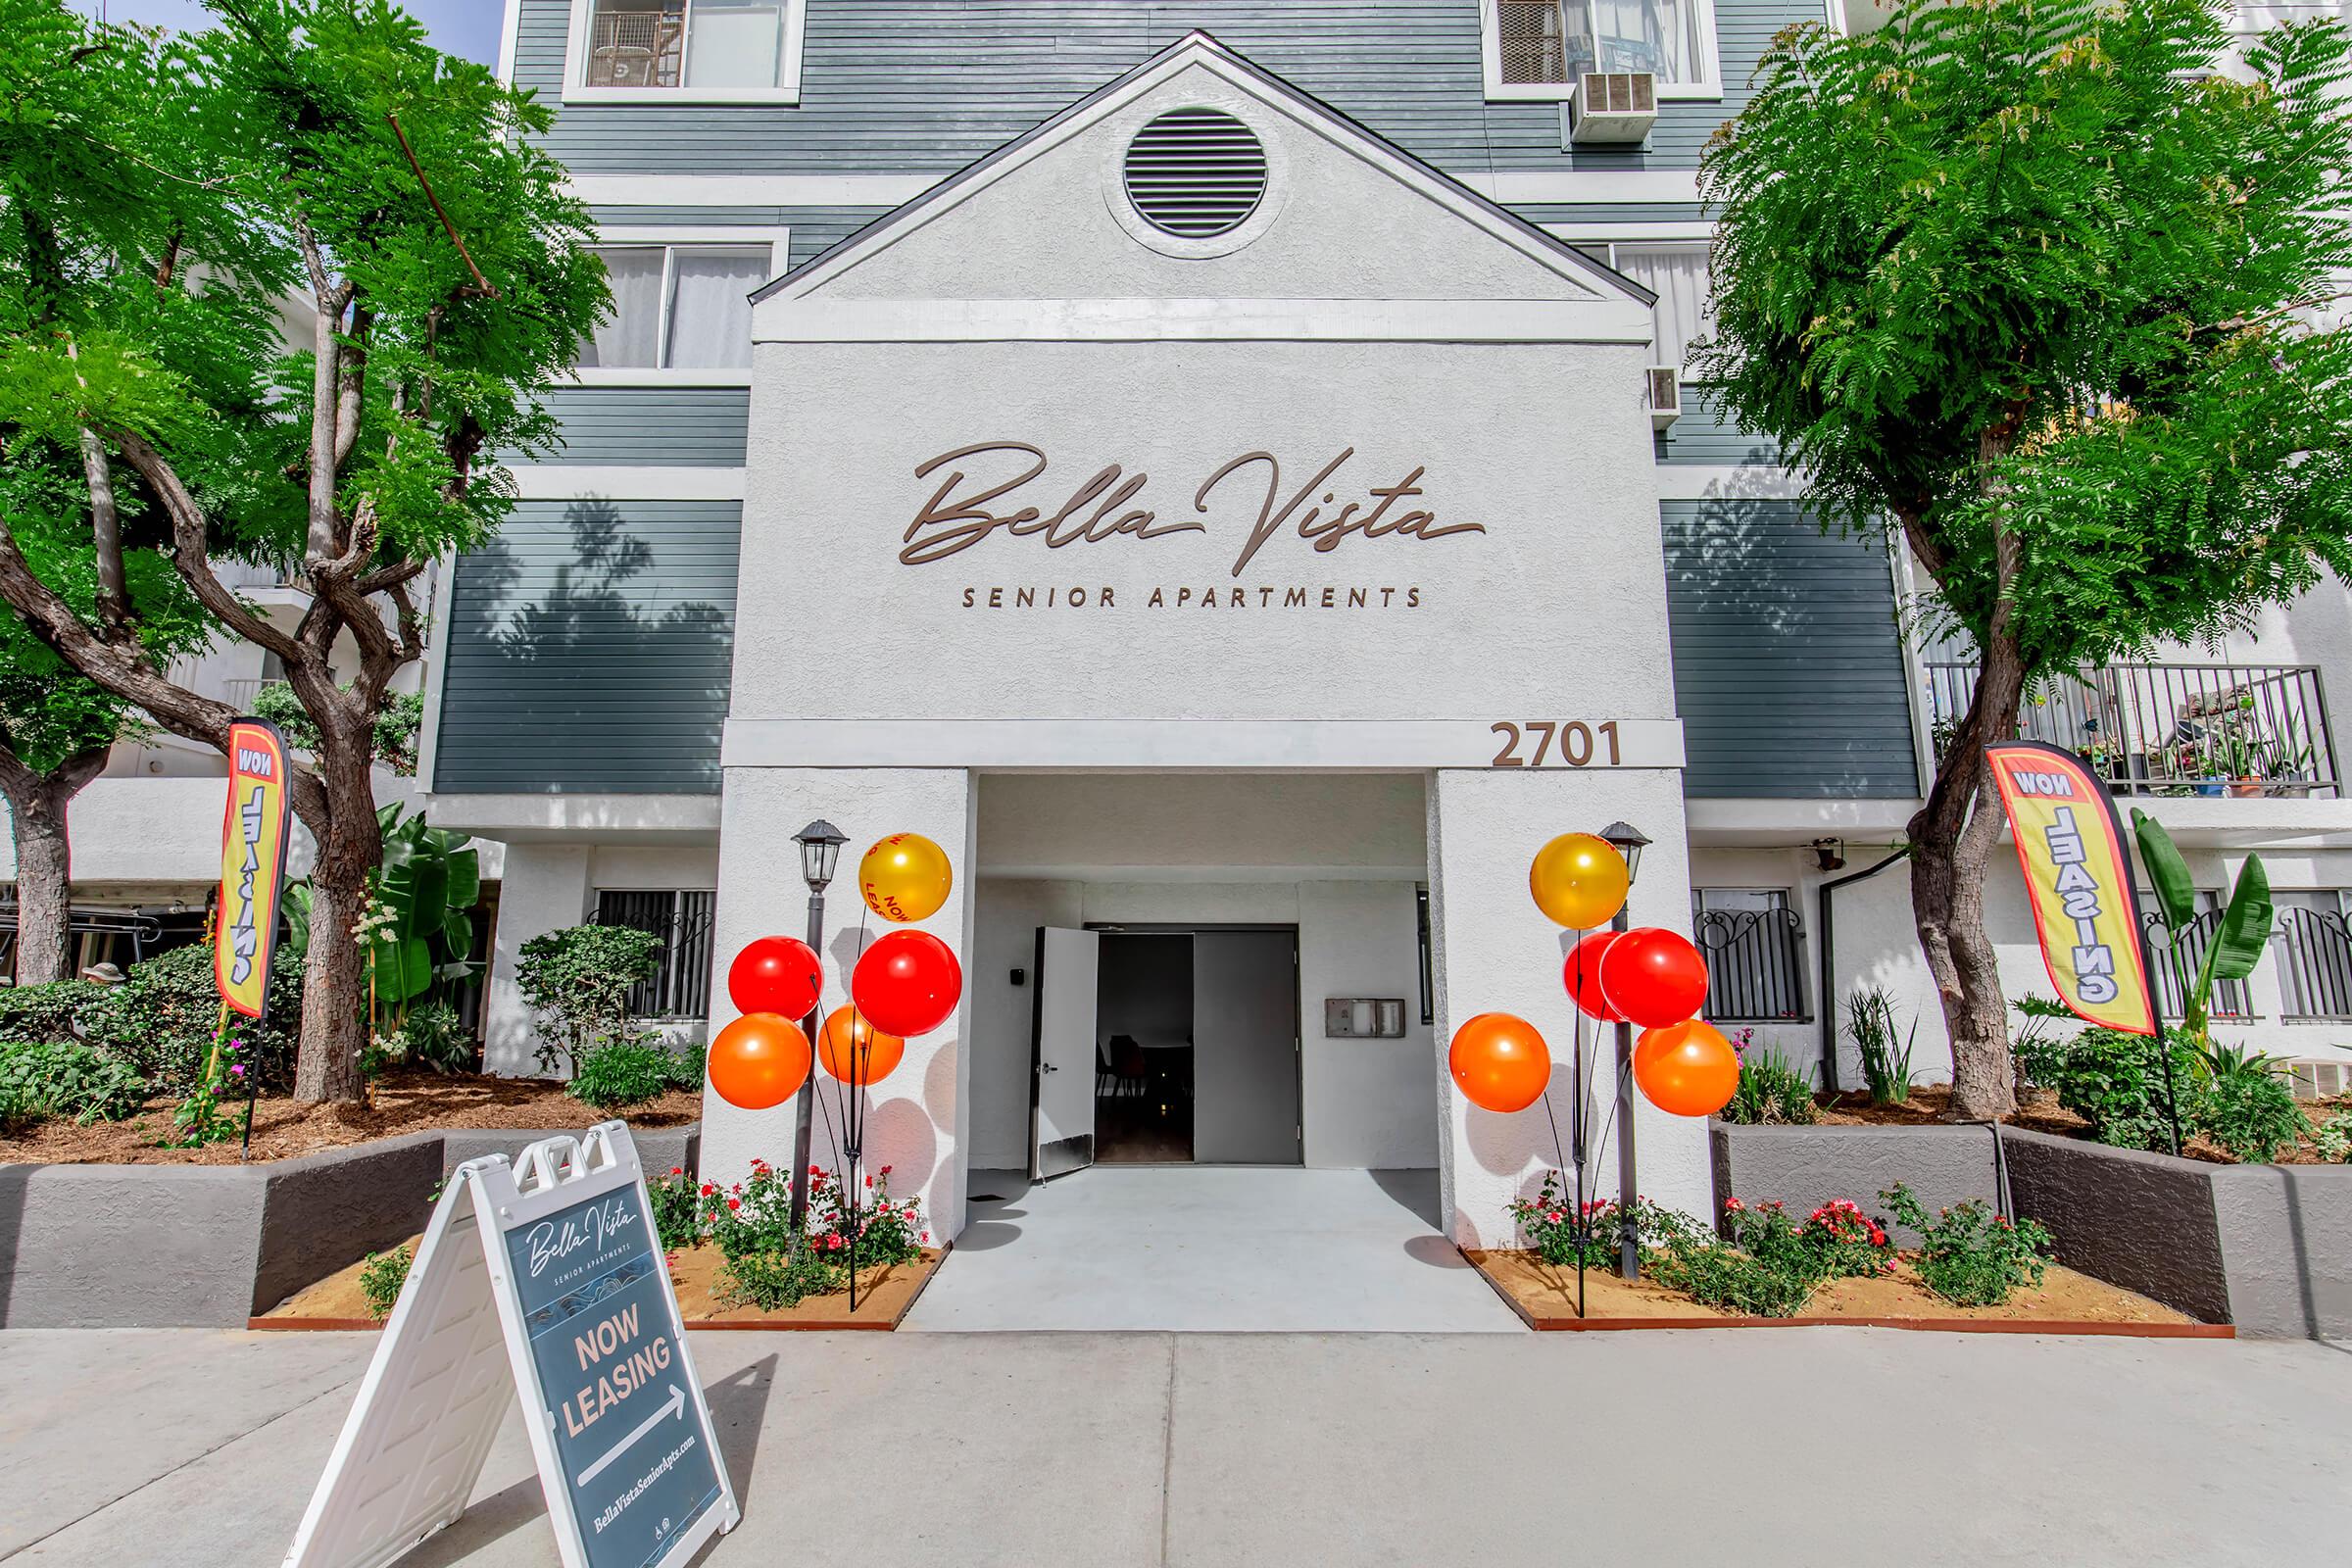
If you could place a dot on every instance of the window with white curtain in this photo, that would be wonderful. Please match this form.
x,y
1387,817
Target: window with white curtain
x,y
679,307
1676,271
1532,44
686,45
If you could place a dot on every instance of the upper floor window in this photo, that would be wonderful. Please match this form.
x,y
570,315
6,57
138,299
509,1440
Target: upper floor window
x,y
679,307
708,51
1676,271
1537,48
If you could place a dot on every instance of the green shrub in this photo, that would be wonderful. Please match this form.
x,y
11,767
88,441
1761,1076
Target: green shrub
x,y
1771,1090
1550,1223
434,1035
1970,1255
677,1210
623,1072
383,1276
2247,1107
687,1066
2334,1139
160,1020
1767,1264
47,1079
1885,1056
43,1014
1714,1273
775,1280
578,981
2115,1082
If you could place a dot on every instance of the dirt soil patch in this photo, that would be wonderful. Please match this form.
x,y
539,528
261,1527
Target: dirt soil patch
x,y
884,1294
1544,1294
1931,1105
400,1101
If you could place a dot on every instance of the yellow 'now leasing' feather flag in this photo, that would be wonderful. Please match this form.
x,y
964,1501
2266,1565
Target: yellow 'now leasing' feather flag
x,y
2078,866
253,865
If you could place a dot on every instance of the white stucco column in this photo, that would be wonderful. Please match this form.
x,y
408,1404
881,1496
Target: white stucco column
x,y
544,888
1495,952
916,1119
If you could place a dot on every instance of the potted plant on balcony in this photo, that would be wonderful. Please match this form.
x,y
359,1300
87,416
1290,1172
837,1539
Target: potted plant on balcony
x,y
2240,761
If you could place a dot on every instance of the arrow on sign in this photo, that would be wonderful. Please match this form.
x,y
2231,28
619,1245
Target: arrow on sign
x,y
675,1404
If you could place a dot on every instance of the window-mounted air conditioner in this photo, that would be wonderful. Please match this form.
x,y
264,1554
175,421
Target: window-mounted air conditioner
x,y
1665,395
1613,108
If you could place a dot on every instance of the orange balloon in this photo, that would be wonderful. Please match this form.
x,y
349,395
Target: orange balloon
x,y
1686,1068
1499,1063
758,1061
849,1049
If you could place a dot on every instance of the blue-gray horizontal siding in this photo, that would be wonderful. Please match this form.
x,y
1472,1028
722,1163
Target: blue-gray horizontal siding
x,y
926,86
590,648
651,426
1788,665
1705,436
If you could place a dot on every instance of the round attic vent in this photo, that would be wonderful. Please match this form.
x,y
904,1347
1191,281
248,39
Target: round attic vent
x,y
1195,173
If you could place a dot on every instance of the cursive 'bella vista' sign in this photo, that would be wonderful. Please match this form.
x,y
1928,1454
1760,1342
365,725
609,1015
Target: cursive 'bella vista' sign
x,y
966,509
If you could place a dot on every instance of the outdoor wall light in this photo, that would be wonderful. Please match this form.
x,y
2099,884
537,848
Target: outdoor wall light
x,y
1628,841
821,845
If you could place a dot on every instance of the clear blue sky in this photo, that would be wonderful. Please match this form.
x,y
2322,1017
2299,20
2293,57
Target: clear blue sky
x,y
468,27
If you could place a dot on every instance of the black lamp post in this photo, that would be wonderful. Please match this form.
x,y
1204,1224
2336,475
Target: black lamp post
x,y
1628,841
821,845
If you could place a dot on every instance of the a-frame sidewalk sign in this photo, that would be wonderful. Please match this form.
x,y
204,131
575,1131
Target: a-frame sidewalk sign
x,y
544,1278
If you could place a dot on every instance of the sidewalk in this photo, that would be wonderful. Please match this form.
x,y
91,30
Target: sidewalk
x,y
1036,1450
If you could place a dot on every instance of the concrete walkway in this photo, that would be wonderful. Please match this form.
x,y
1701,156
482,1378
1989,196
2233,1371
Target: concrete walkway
x,y
1218,1249
1808,1446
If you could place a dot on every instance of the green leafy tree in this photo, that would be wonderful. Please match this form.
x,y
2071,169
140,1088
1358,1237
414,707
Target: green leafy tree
x,y
2031,285
168,200
578,981
57,726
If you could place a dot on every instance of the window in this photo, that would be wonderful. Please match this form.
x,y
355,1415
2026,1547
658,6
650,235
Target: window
x,y
2314,954
1677,273
1754,946
2230,997
711,51
1537,48
682,920
679,307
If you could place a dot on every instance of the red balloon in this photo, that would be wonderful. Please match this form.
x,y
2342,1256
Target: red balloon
x,y
1654,976
906,983
758,1061
1686,1068
776,974
1581,973
1499,1063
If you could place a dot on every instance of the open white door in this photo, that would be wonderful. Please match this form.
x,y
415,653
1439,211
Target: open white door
x,y
1061,1120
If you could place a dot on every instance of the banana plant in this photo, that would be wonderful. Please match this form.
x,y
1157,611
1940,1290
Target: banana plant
x,y
2238,941
422,935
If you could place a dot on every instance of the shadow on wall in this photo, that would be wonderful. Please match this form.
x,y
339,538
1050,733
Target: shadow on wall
x,y
583,654
1788,654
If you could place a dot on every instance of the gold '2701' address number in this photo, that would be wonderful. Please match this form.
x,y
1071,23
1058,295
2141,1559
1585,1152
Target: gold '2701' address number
x,y
1579,745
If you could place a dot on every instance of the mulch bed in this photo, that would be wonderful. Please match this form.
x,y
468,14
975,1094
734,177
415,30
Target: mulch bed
x,y
884,1294
400,1101
1931,1106
1543,1294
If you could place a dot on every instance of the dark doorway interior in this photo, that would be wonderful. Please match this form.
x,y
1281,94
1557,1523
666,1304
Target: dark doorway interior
x,y
1143,1051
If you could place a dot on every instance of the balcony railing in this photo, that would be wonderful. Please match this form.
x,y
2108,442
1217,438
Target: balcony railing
x,y
2173,729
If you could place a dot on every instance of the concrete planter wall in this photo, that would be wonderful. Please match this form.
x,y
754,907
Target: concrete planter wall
x,y
211,1246
2267,1248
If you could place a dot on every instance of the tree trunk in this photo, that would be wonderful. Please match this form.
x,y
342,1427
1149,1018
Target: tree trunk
x,y
1952,839
37,805
334,983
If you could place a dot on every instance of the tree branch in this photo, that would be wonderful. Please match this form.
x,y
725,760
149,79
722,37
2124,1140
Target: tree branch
x,y
481,285
190,556
106,529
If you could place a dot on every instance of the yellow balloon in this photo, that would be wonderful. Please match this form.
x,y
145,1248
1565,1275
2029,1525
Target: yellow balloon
x,y
905,877
1579,881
